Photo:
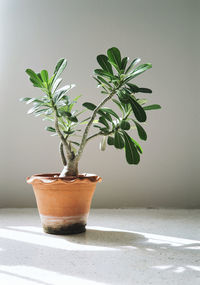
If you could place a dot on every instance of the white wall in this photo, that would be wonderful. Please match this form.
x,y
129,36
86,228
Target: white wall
x,y
36,33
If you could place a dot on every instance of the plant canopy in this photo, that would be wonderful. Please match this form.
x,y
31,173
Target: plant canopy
x,y
114,77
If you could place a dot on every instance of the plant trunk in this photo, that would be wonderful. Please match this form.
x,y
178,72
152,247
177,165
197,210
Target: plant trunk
x,y
71,169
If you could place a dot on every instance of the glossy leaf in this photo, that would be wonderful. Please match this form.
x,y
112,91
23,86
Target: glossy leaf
x,y
103,62
145,90
110,140
125,125
59,68
137,146
44,75
33,109
114,57
25,99
141,132
89,106
133,88
133,63
118,140
152,107
73,119
104,122
102,80
50,129
124,63
55,85
118,104
103,73
137,110
109,111
123,96
132,155
107,116
35,78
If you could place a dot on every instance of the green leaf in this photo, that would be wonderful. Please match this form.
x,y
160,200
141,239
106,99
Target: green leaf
x,y
89,106
32,110
133,63
40,112
109,111
44,75
123,96
55,85
107,116
123,64
137,110
145,90
104,122
114,57
110,140
118,104
142,101
50,129
73,119
34,77
141,68
137,146
59,68
104,73
141,132
125,125
64,113
133,88
102,80
118,140
25,99
104,131
132,155
61,64
103,62
60,93
152,107
51,80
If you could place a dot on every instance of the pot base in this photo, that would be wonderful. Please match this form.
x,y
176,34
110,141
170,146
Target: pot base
x,y
65,230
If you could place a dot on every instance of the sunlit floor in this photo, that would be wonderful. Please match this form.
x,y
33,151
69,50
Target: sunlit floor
x,y
136,246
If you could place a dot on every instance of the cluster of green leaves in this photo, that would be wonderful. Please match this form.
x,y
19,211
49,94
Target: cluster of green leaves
x,y
114,77
55,100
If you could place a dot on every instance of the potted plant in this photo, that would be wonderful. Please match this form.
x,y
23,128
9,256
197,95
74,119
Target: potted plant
x,y
64,198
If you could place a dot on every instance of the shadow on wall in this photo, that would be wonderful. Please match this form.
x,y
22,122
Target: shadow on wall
x,y
98,255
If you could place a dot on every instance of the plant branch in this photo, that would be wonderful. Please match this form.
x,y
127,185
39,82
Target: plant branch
x,y
63,140
98,134
62,154
84,138
69,154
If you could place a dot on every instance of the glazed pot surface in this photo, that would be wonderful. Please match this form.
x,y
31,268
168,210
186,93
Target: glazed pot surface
x,y
63,203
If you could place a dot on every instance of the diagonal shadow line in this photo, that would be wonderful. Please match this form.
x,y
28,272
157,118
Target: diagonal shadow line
x,y
26,278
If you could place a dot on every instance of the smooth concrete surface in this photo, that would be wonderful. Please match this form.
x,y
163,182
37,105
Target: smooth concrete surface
x,y
36,33
133,246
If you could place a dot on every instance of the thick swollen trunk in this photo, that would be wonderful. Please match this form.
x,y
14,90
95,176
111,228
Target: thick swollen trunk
x,y
71,169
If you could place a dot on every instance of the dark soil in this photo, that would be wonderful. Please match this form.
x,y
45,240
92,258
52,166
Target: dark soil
x,y
65,230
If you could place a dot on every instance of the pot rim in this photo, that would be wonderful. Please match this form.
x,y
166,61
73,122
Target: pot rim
x,y
54,178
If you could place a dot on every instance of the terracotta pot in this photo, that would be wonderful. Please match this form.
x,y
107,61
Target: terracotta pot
x,y
63,203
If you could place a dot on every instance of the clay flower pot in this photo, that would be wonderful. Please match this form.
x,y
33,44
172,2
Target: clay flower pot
x,y
63,203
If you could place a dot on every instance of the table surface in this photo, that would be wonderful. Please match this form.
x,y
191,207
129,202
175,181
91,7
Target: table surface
x,y
120,246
